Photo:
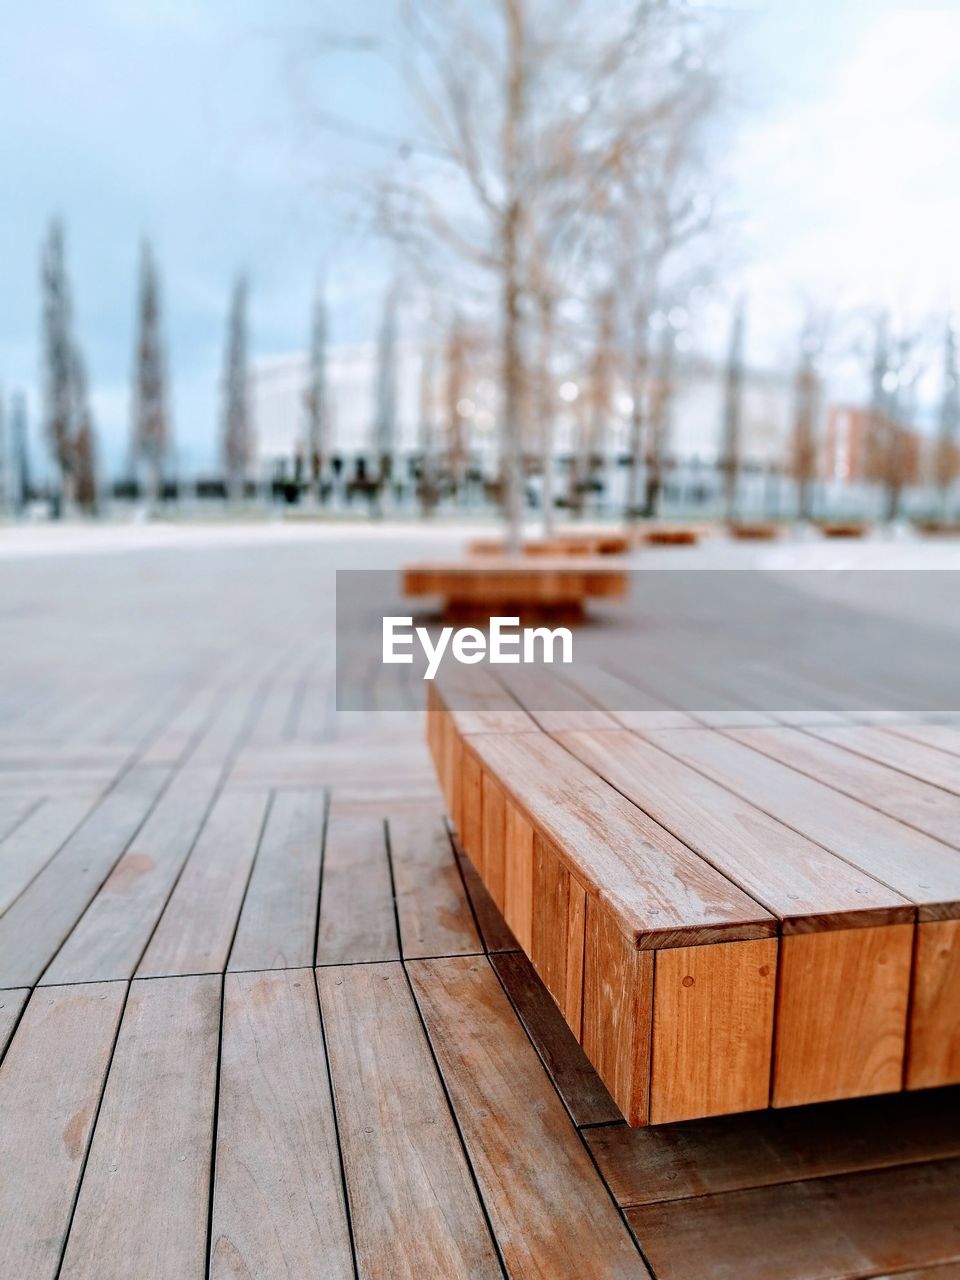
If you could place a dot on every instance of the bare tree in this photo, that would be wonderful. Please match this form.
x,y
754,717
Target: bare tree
x,y
806,408
151,442
316,408
19,452
730,460
456,359
85,461
660,415
527,113
58,359
385,408
947,459
236,424
894,374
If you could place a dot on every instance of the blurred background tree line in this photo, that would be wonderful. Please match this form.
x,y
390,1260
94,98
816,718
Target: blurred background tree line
x,y
554,215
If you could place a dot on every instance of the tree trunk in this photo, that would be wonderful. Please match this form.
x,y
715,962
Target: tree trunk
x,y
545,413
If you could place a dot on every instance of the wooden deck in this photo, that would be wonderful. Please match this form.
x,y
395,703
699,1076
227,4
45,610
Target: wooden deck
x,y
259,1018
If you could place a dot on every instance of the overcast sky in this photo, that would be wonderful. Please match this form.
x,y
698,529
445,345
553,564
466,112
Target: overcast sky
x,y
190,123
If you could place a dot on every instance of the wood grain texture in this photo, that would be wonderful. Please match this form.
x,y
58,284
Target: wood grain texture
x,y
198,923
841,1014
524,1150
110,937
933,1055
581,1089
799,881
855,1226
142,1209
36,924
357,919
50,1085
414,1208
494,839
471,808
519,890
11,1004
913,749
712,1029
914,865
919,804
278,1201
34,841
551,892
732,1153
277,927
435,917
661,892
617,1012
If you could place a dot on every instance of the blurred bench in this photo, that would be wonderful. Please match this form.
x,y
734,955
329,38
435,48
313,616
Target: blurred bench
x,y
509,586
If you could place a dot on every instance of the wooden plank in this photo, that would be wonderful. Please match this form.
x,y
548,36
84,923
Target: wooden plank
x,y
918,804
731,1153
933,1054
525,1152
895,748
357,920
434,915
36,924
617,1012
142,1209
581,1089
518,880
31,845
547,948
50,1085
412,1200
197,926
278,1201
800,882
278,922
11,1004
712,1029
853,1226
553,701
919,868
471,807
662,893
944,737
494,839
841,1014
111,935
475,701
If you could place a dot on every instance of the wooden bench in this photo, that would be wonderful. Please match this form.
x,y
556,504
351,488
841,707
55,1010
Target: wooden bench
x,y
578,543
664,537
509,585
721,928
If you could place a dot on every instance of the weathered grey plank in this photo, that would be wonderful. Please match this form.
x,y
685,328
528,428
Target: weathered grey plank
x,y
37,923
525,1151
142,1209
278,1202
415,1211
357,920
279,918
109,938
50,1085
435,917
198,923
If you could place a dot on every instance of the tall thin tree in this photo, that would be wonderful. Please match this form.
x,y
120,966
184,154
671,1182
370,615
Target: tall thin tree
x,y
150,434
19,452
730,459
947,463
385,409
316,409
59,410
236,427
85,460
806,403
